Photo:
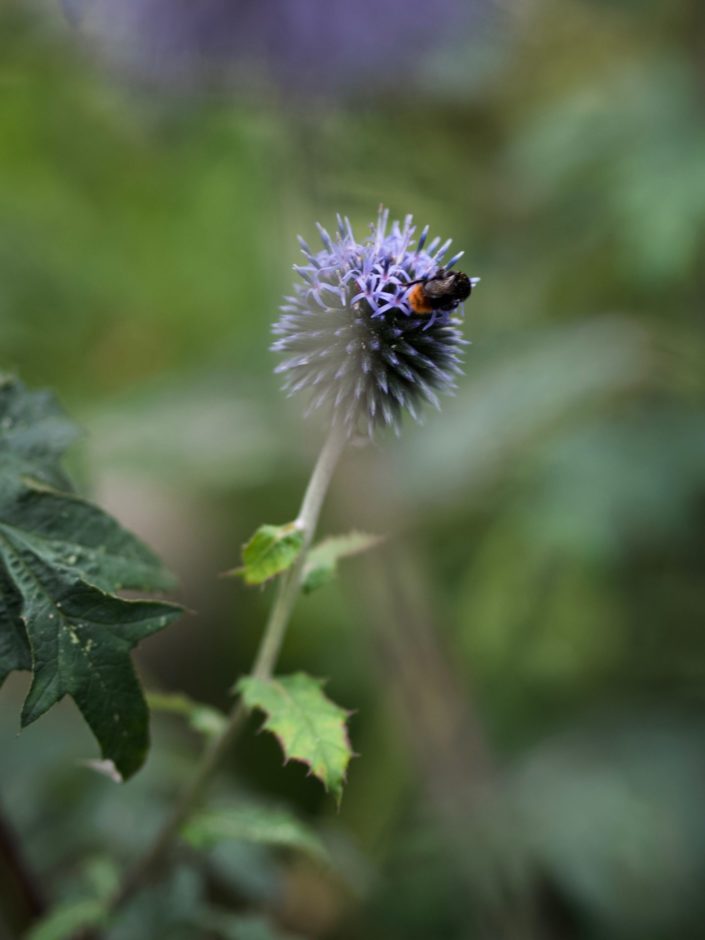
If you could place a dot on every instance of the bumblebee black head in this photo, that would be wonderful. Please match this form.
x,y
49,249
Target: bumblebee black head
x,y
462,285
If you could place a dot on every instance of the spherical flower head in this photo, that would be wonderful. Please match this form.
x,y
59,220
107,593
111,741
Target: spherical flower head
x,y
353,334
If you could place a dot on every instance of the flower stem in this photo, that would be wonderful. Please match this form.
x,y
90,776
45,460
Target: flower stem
x,y
265,662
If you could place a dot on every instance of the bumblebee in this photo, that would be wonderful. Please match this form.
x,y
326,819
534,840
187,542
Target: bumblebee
x,y
442,291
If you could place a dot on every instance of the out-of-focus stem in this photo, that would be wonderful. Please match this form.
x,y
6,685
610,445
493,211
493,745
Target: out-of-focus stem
x,y
265,662
22,897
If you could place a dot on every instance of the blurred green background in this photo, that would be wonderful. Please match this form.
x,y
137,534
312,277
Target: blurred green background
x,y
526,653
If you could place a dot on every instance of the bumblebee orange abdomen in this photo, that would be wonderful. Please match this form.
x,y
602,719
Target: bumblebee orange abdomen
x,y
418,301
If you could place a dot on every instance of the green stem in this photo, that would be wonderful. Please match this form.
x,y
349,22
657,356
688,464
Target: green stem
x,y
265,661
290,584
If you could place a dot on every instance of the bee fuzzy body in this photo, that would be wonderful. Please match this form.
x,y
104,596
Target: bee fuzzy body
x,y
443,292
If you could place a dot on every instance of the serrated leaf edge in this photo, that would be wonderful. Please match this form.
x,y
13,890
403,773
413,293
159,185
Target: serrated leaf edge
x,y
348,713
39,486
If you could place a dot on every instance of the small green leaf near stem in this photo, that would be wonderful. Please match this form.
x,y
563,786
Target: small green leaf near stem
x,y
271,550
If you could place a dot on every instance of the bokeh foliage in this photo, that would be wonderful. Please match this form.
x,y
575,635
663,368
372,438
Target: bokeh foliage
x,y
550,518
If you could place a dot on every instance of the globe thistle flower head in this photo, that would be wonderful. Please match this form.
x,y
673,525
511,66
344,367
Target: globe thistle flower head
x,y
354,334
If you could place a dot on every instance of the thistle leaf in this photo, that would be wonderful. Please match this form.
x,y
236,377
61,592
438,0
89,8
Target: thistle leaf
x,y
310,727
60,557
34,431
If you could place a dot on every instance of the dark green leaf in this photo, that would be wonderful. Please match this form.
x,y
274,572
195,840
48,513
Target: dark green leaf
x,y
310,727
80,639
74,536
271,550
59,558
322,560
14,645
34,431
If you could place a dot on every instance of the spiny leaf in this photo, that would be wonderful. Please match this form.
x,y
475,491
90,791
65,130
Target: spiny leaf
x,y
252,823
14,645
309,726
77,537
80,639
59,559
322,560
271,550
204,719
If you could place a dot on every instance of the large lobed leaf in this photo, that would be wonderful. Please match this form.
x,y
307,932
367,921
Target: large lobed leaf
x,y
60,560
34,431
310,727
